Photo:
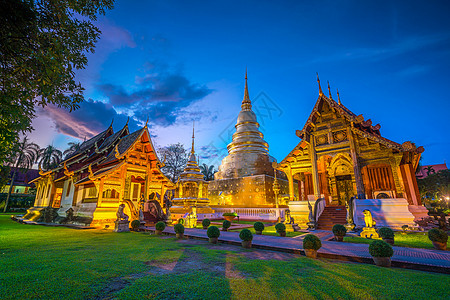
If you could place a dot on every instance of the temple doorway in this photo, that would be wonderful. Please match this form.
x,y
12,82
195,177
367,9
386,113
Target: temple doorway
x,y
344,188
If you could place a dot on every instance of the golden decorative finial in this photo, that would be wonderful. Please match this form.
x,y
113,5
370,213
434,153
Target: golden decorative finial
x,y
329,90
146,122
193,125
128,120
320,88
339,99
112,121
246,103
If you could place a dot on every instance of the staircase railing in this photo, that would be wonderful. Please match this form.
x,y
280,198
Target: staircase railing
x,y
319,206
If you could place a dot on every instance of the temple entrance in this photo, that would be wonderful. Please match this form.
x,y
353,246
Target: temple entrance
x,y
344,186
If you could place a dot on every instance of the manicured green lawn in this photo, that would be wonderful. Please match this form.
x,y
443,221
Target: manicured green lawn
x,y
410,240
38,262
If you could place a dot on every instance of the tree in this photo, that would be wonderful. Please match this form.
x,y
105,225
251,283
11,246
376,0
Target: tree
x,y
208,171
175,159
25,157
49,157
42,44
430,170
73,147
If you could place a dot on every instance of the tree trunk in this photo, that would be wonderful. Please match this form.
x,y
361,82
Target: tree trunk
x,y
10,190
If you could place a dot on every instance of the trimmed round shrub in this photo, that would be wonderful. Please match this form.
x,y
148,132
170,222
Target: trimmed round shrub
x,y
380,249
229,214
135,224
226,224
386,233
311,242
246,235
280,227
213,232
160,226
179,228
259,226
339,230
438,235
206,222
181,221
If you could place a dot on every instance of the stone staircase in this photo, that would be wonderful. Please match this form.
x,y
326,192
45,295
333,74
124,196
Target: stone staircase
x,y
332,215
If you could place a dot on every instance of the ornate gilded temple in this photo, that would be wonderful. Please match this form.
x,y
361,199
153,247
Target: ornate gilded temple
x,y
245,177
108,170
341,155
191,195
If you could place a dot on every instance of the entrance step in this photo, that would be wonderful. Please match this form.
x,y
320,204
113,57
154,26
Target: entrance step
x,y
332,215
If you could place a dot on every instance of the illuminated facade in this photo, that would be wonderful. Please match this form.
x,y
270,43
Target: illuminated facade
x,y
245,177
191,195
108,170
341,155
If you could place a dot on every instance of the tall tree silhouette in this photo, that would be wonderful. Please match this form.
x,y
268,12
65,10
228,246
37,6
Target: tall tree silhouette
x,y
25,156
49,157
73,147
208,171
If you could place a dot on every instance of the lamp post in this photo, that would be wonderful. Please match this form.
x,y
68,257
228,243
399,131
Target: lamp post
x,y
276,189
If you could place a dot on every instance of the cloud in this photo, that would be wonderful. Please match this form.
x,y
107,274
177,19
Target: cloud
x,y
160,94
400,47
91,118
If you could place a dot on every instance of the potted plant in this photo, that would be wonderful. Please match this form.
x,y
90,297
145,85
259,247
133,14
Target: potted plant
x,y
180,221
226,224
135,225
339,232
439,238
179,230
229,216
281,229
387,235
213,233
381,253
311,244
259,227
206,223
246,237
160,226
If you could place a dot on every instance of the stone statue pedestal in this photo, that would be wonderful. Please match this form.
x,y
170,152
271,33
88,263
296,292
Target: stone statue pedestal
x,y
369,233
122,226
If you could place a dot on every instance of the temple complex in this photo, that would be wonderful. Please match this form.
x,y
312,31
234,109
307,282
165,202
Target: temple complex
x,y
110,169
191,194
246,176
341,155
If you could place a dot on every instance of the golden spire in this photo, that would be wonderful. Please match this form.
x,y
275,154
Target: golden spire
x,y
193,124
329,90
246,103
339,99
146,123
320,88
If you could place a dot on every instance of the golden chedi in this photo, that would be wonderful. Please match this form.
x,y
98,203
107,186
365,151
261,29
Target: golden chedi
x,y
245,177
191,195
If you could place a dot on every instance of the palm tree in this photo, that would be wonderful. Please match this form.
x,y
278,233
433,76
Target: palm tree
x,y
26,155
208,171
49,157
430,170
73,147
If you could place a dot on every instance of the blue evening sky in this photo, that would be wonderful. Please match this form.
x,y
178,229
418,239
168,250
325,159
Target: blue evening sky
x,y
180,61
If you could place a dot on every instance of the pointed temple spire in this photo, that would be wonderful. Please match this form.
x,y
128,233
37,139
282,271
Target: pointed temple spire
x,y
146,123
329,90
339,98
246,103
320,88
193,125
112,121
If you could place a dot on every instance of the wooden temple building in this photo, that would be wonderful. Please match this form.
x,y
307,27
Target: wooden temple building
x,y
109,169
341,155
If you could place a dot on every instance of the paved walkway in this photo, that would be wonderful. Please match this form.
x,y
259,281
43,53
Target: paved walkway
x,y
409,258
